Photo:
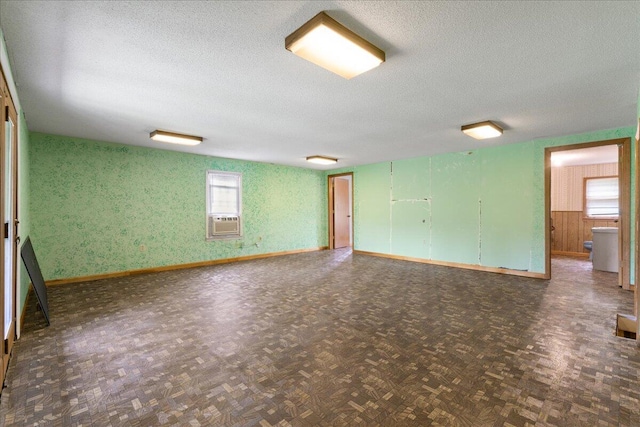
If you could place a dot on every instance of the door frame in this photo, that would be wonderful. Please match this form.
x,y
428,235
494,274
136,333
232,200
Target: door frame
x,y
624,178
3,95
330,179
636,224
13,221
8,111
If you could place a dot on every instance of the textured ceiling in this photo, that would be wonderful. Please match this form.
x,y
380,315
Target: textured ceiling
x,y
115,71
585,156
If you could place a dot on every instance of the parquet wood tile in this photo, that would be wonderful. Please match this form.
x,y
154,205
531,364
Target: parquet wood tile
x,y
328,339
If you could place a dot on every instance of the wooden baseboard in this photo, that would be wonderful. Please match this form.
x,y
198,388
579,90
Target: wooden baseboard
x,y
574,254
457,265
177,267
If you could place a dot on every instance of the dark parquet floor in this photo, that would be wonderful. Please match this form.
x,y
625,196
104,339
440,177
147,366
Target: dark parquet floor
x,y
328,339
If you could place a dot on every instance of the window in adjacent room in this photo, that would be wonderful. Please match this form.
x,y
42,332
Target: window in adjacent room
x,y
224,205
601,197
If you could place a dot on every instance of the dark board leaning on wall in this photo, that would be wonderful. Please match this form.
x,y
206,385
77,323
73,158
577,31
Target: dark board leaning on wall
x,y
31,263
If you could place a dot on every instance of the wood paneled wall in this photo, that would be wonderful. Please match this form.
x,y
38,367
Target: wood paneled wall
x,y
571,231
567,184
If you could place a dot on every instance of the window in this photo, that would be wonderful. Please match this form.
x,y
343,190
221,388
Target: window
x,y
601,197
224,205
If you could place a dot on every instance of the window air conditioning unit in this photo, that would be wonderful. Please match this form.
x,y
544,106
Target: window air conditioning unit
x,y
221,225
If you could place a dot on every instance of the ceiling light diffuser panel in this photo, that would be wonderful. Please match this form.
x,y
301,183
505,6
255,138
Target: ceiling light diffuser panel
x,y
175,138
322,160
326,43
482,130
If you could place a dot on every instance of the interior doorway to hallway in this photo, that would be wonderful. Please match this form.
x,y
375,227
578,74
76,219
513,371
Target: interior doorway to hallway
x,y
340,210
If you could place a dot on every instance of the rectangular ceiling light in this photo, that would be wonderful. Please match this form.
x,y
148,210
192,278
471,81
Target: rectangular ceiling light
x,y
175,138
322,160
326,43
482,130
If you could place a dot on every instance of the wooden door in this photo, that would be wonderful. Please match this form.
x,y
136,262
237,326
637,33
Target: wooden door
x,y
341,213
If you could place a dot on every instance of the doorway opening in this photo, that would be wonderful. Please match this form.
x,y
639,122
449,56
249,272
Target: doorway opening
x,y
587,205
340,210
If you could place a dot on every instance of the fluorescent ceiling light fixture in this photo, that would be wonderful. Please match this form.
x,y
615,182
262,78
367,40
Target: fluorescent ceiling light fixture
x,y
322,160
175,138
482,130
326,43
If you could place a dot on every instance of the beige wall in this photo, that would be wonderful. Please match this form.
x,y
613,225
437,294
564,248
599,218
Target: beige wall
x,y
567,184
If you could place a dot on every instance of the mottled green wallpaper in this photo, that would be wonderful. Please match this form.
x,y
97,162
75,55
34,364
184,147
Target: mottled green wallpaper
x,y
411,208
100,207
455,207
372,210
508,201
484,207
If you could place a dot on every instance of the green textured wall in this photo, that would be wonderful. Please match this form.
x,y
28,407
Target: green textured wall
x,y
455,207
484,207
372,208
508,199
94,204
410,208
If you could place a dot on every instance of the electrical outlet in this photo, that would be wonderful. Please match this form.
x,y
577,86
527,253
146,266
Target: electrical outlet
x,y
143,248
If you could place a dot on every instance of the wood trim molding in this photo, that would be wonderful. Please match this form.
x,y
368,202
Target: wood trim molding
x,y
580,145
176,267
330,211
498,270
624,242
636,231
330,186
547,213
567,253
